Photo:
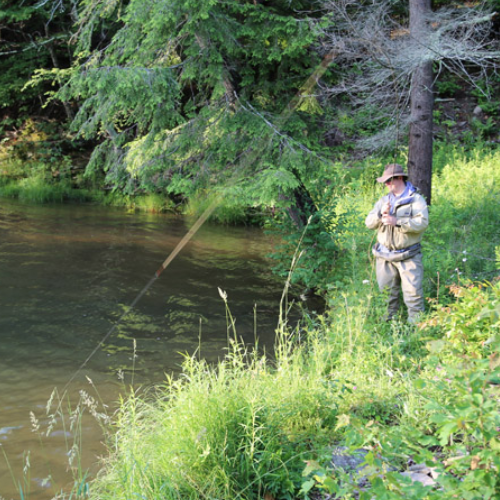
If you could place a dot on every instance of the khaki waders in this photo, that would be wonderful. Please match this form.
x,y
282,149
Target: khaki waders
x,y
407,275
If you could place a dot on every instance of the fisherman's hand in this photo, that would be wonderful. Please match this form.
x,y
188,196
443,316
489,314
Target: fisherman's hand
x,y
386,209
389,220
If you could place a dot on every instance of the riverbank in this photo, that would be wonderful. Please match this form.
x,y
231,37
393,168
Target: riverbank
x,y
43,188
254,427
264,425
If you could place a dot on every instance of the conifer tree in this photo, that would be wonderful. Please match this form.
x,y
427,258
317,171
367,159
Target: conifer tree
x,y
185,94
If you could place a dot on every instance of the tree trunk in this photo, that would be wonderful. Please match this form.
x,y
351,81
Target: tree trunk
x,y
422,100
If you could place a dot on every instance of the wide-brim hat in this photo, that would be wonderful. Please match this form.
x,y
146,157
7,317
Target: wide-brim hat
x,y
392,170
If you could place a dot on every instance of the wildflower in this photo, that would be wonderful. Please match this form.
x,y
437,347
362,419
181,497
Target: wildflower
x,y
366,282
464,252
464,259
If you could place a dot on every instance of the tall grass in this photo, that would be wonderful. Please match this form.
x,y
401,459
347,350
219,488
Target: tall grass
x,y
465,218
38,190
70,421
245,427
238,430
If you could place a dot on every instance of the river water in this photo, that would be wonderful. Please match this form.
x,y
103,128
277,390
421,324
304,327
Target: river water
x,y
67,274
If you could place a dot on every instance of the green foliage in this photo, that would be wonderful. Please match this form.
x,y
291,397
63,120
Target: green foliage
x,y
317,249
186,91
316,240
486,93
228,210
34,36
244,428
40,142
181,96
147,203
456,432
448,87
16,71
485,129
470,323
462,240
238,430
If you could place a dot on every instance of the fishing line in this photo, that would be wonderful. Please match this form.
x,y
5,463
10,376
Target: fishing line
x,y
304,90
201,220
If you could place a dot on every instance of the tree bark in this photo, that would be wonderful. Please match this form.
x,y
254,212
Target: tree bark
x,y
422,101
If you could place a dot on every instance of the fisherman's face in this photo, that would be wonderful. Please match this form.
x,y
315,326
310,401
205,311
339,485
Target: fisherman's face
x,y
395,185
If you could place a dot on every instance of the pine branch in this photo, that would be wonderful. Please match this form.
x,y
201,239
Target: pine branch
x,y
34,45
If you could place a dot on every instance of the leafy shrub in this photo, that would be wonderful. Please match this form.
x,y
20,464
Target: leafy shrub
x,y
456,433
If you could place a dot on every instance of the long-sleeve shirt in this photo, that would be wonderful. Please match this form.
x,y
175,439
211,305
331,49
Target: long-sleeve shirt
x,y
410,210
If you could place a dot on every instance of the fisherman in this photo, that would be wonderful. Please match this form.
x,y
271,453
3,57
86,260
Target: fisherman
x,y
400,218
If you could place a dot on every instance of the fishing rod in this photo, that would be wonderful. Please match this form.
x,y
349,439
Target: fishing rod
x,y
187,237
247,158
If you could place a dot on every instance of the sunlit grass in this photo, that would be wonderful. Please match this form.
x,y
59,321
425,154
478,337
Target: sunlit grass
x,y
244,427
38,190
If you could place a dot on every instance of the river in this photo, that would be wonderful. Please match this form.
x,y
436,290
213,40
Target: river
x,y
67,274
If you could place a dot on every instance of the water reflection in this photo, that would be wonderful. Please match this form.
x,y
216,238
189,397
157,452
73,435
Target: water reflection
x,y
67,274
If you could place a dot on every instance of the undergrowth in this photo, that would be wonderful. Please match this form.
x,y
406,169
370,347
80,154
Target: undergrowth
x,y
254,427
